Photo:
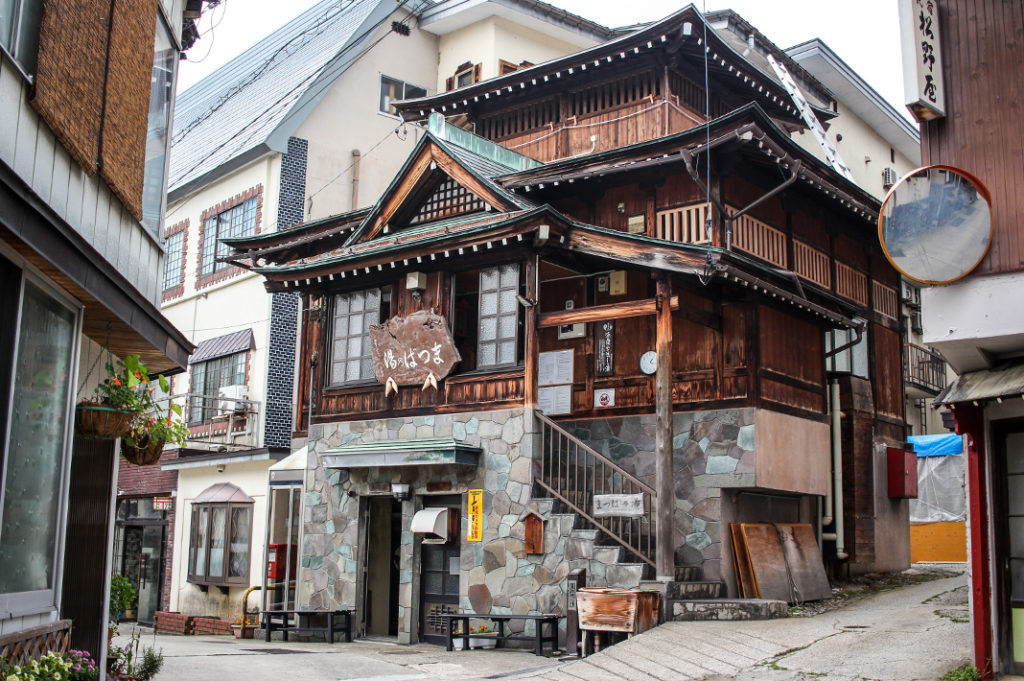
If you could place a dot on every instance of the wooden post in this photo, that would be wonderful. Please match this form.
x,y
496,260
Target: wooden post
x,y
530,345
665,557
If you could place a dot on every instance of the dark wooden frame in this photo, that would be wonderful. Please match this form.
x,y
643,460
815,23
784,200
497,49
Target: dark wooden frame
x,y
224,580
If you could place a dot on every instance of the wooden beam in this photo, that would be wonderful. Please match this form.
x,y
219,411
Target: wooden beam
x,y
599,313
665,554
531,342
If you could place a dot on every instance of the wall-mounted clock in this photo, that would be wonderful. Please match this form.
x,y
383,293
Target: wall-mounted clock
x,y
649,362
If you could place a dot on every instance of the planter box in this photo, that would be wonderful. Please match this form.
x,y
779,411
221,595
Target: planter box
x,y
630,611
242,632
475,642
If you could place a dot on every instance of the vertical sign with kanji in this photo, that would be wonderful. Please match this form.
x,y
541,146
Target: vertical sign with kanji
x,y
922,58
475,511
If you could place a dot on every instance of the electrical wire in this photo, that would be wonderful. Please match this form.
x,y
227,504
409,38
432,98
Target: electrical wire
x,y
214,24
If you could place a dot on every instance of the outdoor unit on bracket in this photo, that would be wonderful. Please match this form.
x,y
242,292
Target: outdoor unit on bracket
x,y
889,177
230,395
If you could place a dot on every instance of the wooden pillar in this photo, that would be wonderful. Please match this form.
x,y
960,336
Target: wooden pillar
x,y
665,557
530,345
970,422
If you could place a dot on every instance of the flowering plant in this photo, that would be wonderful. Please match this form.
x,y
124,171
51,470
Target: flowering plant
x,y
75,665
247,622
127,387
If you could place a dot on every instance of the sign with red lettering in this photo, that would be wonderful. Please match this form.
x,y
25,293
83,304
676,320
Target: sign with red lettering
x,y
475,513
409,350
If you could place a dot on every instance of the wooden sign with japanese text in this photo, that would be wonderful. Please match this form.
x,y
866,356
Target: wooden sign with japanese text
x,y
475,513
409,349
922,58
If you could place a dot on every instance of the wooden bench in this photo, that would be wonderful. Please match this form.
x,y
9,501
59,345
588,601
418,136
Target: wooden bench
x,y
333,621
461,621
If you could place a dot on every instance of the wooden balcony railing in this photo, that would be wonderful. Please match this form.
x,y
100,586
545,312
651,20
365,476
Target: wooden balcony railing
x,y
760,240
684,224
886,300
574,473
851,284
811,264
924,368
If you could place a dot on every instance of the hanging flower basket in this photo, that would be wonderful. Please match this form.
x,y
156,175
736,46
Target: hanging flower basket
x,y
100,421
145,452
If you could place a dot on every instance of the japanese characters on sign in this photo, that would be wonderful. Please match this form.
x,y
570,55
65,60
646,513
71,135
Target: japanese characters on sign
x,y
554,376
922,58
475,513
163,503
628,505
410,349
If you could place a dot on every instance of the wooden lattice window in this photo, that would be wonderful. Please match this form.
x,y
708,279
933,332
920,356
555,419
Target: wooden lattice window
x,y
448,199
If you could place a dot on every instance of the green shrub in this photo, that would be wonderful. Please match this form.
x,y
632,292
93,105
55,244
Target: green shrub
x,y
122,597
966,672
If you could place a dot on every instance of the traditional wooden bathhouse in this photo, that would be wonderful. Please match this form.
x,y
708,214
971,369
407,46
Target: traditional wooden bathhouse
x,y
598,353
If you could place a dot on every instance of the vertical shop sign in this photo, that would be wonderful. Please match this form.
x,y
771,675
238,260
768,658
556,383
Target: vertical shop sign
x,y
475,509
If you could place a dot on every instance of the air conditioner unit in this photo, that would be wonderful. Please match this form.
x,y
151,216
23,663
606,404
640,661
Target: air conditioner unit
x,y
230,394
889,177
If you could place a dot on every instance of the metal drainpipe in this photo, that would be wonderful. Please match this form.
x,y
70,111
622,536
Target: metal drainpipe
x,y
837,474
355,178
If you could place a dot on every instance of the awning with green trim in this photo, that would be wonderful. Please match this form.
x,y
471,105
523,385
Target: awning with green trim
x,y
425,452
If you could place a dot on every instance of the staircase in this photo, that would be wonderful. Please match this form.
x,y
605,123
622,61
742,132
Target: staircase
x,y
571,473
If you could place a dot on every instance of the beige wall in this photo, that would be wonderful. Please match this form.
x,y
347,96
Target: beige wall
x,y
494,38
859,143
187,598
348,118
793,454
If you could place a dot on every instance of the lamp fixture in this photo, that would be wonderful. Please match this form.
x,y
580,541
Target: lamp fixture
x,y
401,490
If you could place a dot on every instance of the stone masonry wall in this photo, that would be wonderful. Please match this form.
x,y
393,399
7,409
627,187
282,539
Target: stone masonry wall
x,y
711,450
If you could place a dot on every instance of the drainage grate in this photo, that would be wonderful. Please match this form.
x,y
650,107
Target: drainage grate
x,y
274,651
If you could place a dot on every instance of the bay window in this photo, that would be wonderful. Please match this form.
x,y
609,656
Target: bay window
x,y
221,537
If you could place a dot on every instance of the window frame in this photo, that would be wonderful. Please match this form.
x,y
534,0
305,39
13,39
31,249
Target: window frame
x,y
173,232
384,294
214,218
223,580
39,601
155,174
196,403
19,29
405,94
854,360
497,316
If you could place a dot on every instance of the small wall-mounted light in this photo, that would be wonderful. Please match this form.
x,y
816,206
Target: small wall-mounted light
x,y
401,490
621,207
417,283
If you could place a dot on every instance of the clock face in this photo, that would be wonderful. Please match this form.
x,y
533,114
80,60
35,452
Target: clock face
x,y
649,362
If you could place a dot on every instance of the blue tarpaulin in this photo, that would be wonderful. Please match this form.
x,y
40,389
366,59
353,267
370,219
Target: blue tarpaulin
x,y
937,445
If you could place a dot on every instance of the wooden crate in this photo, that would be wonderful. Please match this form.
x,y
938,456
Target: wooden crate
x,y
630,611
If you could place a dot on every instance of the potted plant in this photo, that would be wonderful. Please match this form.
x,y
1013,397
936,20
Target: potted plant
x,y
478,637
149,433
123,597
244,628
119,398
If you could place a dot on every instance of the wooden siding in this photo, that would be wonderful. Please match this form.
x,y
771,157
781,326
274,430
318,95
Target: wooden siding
x,y
888,362
86,203
983,47
791,372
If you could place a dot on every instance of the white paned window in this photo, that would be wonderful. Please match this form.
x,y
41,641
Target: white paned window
x,y
165,60
174,254
19,30
239,220
852,360
207,380
354,313
219,547
499,316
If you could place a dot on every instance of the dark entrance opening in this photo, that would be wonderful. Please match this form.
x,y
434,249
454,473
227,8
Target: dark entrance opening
x,y
439,577
383,539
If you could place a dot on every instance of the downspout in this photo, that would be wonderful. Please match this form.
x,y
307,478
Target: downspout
x,y
834,500
355,178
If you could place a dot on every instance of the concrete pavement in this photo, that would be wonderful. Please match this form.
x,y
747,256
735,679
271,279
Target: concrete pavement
x,y
907,634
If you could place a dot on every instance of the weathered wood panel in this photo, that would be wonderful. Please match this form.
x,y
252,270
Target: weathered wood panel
x,y
887,371
983,49
791,372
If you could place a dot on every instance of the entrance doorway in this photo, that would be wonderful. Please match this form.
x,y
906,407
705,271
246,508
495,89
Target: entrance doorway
x,y
439,578
383,517
1009,519
141,532
283,546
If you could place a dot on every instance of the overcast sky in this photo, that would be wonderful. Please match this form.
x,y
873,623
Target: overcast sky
x,y
865,34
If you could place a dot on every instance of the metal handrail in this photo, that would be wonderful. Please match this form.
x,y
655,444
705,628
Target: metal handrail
x,y
924,367
574,472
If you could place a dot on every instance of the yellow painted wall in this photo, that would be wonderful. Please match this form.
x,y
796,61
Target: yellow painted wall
x,y
938,543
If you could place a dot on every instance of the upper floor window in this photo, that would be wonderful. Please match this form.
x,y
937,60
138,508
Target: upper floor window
x,y
239,220
392,90
208,380
854,359
350,339
465,74
160,92
174,258
19,30
221,536
486,317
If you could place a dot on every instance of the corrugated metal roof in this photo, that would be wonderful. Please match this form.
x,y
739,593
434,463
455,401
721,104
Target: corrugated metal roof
x,y
223,493
237,107
222,346
1001,382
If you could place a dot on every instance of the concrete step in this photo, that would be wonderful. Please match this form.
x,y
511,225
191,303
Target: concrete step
x,y
694,590
608,554
688,573
542,505
699,609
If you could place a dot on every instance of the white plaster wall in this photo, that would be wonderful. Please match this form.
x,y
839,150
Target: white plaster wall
x,y
348,118
239,302
251,477
860,142
494,38
974,316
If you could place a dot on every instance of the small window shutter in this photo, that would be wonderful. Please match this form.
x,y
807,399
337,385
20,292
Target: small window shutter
x,y
449,84
476,72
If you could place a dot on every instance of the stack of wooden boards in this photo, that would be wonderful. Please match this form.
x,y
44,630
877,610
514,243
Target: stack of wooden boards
x,y
778,561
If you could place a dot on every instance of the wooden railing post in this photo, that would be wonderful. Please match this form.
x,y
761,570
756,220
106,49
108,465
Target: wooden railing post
x,y
665,556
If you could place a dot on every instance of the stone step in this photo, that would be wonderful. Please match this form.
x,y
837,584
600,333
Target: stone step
x,y
694,590
697,609
542,505
688,573
624,575
588,535
608,554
